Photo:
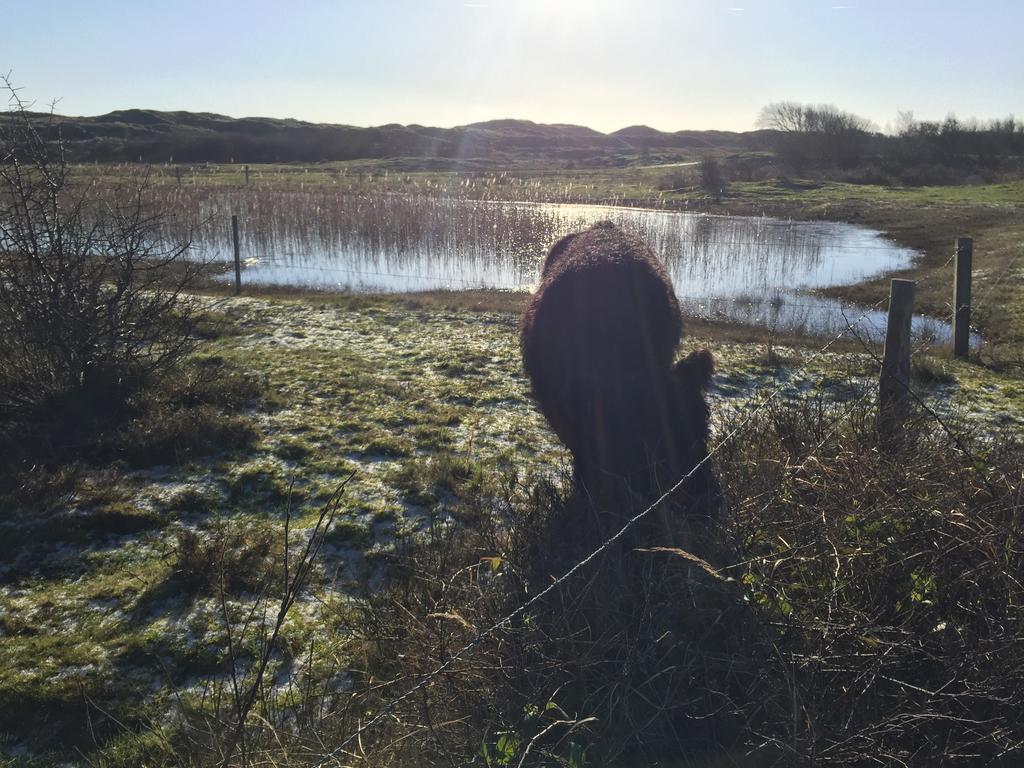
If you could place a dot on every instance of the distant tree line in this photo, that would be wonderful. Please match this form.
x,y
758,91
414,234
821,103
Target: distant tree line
x,y
806,140
955,142
823,138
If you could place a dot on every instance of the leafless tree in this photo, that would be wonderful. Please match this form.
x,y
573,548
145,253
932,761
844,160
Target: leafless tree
x,y
816,134
785,116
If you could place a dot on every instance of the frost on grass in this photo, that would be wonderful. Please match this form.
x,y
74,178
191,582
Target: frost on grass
x,y
410,401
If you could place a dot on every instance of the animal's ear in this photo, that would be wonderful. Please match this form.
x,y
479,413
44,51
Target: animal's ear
x,y
696,368
556,251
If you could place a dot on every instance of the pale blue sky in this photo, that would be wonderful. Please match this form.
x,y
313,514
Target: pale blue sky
x,y
671,64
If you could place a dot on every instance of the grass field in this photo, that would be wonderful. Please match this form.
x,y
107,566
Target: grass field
x,y
120,592
107,619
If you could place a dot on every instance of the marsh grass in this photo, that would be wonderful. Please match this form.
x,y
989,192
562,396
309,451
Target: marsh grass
x,y
321,218
926,218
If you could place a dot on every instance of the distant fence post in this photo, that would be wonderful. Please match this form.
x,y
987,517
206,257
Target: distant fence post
x,y
238,255
247,175
894,381
177,173
962,297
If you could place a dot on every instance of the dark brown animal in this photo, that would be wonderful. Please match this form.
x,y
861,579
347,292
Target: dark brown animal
x,y
598,341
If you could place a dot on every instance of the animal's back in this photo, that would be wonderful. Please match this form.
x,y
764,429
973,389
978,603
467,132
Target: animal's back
x,y
599,339
604,319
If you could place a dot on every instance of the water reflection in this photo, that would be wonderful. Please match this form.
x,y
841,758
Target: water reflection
x,y
747,269
815,315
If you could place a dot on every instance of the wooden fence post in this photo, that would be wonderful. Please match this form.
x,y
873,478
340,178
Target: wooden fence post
x,y
247,175
894,381
962,297
238,255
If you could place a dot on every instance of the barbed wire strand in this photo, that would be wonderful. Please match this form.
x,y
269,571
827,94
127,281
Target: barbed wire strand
x,y
522,608
602,548
481,636
1009,268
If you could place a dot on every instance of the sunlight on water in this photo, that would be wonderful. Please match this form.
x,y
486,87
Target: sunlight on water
x,y
747,269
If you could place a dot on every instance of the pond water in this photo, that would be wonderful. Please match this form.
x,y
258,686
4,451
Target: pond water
x,y
753,270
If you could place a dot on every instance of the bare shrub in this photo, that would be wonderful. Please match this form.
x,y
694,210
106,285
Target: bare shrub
x,y
677,180
712,178
889,580
92,302
229,557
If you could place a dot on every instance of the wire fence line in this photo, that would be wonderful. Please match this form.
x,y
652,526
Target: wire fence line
x,y
580,565
995,284
427,678
633,521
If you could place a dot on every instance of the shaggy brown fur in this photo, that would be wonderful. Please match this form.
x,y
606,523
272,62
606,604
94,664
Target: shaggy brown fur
x,y
598,340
